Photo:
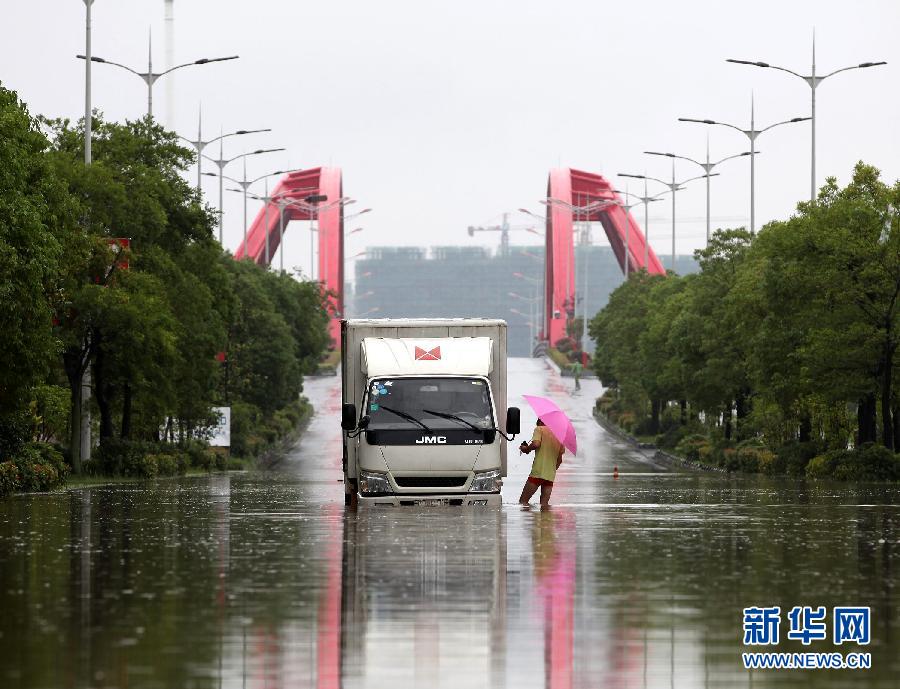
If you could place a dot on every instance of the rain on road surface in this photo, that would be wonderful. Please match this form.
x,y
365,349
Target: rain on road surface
x,y
266,580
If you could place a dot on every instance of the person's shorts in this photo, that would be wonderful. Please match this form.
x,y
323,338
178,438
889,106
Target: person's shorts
x,y
540,481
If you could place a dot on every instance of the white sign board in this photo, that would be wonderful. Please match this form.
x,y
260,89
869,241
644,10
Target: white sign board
x,y
220,434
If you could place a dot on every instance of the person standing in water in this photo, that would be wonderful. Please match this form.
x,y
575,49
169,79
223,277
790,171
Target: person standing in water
x,y
548,452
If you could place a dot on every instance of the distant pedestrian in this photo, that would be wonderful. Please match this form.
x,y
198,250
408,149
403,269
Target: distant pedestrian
x,y
576,371
548,452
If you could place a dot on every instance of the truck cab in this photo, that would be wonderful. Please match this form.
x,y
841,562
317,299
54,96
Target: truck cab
x,y
424,413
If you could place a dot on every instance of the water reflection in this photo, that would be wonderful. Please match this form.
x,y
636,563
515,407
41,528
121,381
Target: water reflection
x,y
243,582
263,580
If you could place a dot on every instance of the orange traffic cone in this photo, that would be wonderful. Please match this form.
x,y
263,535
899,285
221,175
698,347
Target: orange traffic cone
x,y
615,472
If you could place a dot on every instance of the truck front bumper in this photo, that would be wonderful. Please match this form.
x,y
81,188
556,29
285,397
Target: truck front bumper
x,y
397,500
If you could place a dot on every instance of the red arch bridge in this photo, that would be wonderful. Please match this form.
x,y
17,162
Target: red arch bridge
x,y
573,196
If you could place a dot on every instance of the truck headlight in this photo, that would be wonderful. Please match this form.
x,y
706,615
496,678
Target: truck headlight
x,y
486,482
373,482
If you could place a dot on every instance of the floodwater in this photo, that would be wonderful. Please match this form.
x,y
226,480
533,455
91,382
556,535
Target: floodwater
x,y
266,580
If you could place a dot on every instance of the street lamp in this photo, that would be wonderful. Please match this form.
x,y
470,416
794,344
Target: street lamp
x,y
529,321
532,308
308,204
356,215
150,77
673,187
707,168
245,184
88,124
813,82
311,205
281,200
597,205
200,144
81,436
646,200
222,163
538,301
752,135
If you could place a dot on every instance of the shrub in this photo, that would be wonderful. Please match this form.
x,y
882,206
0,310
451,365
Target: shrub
x,y
645,427
245,418
236,464
728,458
200,455
671,438
166,464
870,462
118,457
626,420
793,459
691,447
147,467
752,458
36,465
52,456
10,479
221,461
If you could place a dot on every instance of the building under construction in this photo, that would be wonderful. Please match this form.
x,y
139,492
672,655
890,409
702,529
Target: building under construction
x,y
455,281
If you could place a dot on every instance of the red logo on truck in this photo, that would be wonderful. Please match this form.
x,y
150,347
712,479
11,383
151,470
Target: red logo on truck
x,y
428,355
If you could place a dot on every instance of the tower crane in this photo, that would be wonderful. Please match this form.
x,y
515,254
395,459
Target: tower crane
x,y
504,228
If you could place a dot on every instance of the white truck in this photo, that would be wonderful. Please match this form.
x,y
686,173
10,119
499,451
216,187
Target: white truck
x,y
424,411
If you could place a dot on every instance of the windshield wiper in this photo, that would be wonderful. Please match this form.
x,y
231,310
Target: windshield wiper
x,y
453,417
408,417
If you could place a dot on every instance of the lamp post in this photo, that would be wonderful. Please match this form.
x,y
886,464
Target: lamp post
x,y
752,134
537,291
532,308
222,163
245,184
281,200
813,82
199,144
352,216
673,187
575,210
587,210
150,77
646,200
88,124
708,167
81,445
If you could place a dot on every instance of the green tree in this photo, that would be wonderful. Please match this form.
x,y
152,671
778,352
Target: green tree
x,y
839,260
36,213
262,364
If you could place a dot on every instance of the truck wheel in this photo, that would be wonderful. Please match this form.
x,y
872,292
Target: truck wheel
x,y
349,491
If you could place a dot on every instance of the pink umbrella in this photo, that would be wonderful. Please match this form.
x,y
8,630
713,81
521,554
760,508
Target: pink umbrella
x,y
555,419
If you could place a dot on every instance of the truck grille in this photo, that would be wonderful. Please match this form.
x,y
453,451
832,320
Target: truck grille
x,y
431,481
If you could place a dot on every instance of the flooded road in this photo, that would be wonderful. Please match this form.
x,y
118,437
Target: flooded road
x,y
265,580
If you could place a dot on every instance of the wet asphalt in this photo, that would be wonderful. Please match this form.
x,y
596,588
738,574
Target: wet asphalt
x,y
265,579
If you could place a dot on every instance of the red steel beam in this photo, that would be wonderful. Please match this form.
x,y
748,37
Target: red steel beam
x,y
320,181
580,189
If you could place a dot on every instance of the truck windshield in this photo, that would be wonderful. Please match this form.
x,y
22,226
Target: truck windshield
x,y
432,401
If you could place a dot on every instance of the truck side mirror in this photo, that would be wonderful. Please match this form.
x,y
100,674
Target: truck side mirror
x,y
348,416
513,423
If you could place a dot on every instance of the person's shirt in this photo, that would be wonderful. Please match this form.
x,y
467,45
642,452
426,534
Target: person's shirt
x,y
544,465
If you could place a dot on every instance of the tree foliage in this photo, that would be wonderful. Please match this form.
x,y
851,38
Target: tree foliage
x,y
782,337
150,317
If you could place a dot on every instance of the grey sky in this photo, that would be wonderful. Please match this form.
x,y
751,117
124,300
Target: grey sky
x,y
445,115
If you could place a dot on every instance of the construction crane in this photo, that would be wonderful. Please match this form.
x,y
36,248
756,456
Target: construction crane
x,y
504,228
